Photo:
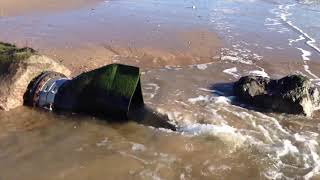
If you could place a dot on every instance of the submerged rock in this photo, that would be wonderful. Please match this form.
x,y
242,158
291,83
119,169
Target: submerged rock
x,y
294,94
18,67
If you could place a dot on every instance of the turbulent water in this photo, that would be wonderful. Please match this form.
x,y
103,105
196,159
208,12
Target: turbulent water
x,y
217,138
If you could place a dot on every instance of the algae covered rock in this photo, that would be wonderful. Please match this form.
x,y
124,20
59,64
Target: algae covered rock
x,y
293,94
18,67
10,53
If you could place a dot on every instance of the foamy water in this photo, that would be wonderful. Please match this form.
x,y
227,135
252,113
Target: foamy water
x,y
300,18
290,153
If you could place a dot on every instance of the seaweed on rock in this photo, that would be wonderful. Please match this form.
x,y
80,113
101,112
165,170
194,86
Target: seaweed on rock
x,y
10,53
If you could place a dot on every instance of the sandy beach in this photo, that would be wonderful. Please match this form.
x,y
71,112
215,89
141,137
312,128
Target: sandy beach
x,y
189,52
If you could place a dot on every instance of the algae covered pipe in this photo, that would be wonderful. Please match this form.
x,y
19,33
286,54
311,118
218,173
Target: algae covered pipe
x,y
113,91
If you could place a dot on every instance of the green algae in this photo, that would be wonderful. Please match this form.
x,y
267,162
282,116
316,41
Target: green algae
x,y
10,53
117,79
114,88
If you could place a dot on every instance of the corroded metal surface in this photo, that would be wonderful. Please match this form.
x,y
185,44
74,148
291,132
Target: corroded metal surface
x,y
45,88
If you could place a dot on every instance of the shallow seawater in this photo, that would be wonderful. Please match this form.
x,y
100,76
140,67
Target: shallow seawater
x,y
216,138
60,147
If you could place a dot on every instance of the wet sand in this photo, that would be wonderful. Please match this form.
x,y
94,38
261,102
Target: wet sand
x,y
110,32
193,47
13,8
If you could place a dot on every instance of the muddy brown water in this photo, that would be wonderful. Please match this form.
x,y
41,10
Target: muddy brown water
x,y
190,52
84,148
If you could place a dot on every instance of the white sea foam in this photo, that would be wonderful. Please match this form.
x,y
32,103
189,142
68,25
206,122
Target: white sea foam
x,y
259,73
207,90
283,12
224,132
264,133
222,100
210,98
310,41
271,22
138,147
305,54
232,71
235,59
280,143
150,90
306,68
198,129
199,98
202,66
284,16
301,37
287,148
268,47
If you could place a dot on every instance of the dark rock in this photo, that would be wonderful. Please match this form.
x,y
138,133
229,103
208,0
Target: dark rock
x,y
293,94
